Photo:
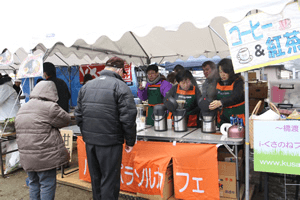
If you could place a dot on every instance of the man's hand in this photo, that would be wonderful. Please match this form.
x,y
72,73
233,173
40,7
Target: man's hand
x,y
128,149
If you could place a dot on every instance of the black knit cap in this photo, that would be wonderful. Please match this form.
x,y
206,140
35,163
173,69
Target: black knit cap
x,y
116,62
50,69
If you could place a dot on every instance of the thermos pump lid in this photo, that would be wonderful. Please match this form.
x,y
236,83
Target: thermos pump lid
x,y
179,112
159,110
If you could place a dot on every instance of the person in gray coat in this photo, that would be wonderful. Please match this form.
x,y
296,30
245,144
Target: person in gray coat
x,y
40,143
106,115
209,86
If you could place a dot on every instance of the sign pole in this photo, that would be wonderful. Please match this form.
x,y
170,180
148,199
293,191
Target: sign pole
x,y
31,84
247,135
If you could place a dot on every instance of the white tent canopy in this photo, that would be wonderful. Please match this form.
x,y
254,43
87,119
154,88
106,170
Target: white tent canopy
x,y
159,31
139,31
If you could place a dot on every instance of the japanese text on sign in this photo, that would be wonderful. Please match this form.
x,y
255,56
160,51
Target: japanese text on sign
x,y
260,40
276,146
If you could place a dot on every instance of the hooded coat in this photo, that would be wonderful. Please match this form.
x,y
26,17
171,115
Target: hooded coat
x,y
37,125
8,96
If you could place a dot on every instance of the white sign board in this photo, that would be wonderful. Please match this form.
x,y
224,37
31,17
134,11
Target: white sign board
x,y
6,58
277,146
32,66
261,39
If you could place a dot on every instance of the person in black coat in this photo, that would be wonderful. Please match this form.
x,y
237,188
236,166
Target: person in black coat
x,y
62,88
106,115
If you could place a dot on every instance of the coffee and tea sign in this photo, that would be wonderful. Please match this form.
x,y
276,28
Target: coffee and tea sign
x,y
262,39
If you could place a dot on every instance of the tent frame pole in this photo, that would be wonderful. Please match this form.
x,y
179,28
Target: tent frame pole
x,y
211,28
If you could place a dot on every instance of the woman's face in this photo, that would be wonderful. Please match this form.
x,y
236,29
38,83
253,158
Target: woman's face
x,y
224,76
185,84
152,75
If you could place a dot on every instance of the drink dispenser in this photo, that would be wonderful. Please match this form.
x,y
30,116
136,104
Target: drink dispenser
x,y
180,120
179,113
159,116
208,117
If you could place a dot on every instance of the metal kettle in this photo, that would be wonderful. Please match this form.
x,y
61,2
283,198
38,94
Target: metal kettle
x,y
236,131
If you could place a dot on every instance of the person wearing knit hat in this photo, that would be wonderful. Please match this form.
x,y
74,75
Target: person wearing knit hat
x,y
62,88
17,86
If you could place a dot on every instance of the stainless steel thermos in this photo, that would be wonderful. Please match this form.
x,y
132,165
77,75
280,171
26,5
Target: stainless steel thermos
x,y
180,120
160,117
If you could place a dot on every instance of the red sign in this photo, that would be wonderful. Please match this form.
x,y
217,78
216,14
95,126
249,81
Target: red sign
x,y
94,70
128,76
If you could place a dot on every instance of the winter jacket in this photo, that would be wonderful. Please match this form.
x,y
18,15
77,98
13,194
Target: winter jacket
x,y
39,141
62,91
164,88
8,96
237,95
106,111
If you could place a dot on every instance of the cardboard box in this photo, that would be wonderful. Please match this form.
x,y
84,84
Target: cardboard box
x,y
227,173
225,198
168,187
258,89
252,104
252,76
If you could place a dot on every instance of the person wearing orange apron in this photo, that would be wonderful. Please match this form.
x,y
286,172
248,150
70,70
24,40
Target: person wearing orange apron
x,y
185,90
230,94
155,91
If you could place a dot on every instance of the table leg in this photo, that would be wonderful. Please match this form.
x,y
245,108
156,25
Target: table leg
x,y
297,187
266,193
62,171
2,170
260,181
237,173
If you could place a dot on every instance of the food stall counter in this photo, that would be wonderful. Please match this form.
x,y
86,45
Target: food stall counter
x,y
211,138
169,135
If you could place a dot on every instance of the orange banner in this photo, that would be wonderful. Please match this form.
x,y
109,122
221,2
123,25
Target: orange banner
x,y
84,173
150,166
195,169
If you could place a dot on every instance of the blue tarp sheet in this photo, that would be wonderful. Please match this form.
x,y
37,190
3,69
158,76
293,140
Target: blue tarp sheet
x,y
192,63
62,73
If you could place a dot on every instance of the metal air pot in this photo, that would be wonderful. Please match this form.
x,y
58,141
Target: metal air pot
x,y
180,120
160,118
208,124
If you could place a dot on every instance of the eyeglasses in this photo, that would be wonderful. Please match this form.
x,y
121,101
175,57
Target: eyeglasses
x,y
151,73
